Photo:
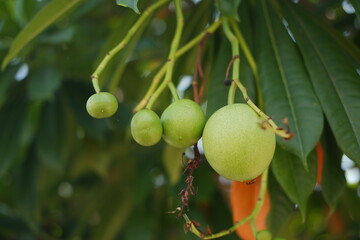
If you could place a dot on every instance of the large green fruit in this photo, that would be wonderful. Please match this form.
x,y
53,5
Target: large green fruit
x,y
183,122
264,235
146,127
102,105
235,144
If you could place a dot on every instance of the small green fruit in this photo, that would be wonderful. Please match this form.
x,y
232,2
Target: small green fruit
x,y
263,235
183,122
102,105
235,145
146,127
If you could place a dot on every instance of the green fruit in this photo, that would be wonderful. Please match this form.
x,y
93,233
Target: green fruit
x,y
146,127
102,105
235,144
263,235
183,122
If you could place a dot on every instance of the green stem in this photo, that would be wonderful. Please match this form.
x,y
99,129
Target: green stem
x,y
160,74
236,66
236,63
253,227
254,213
144,16
231,94
249,58
171,59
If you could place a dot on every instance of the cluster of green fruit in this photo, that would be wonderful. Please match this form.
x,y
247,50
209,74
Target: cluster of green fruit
x,y
235,144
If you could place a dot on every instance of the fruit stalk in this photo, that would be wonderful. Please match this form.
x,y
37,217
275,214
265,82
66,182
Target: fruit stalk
x,y
236,63
142,19
171,59
160,74
249,58
254,213
284,133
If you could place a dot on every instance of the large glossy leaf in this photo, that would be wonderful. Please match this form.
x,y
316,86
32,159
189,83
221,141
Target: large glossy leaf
x,y
285,84
297,182
281,206
44,18
335,80
333,180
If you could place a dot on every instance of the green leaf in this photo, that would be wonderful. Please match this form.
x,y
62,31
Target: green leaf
x,y
130,4
44,18
285,84
356,5
281,206
7,80
44,83
26,189
229,7
333,181
172,163
13,113
53,150
335,80
297,182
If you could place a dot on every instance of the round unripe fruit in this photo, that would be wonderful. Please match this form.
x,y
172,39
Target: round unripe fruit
x,y
102,105
235,144
263,235
183,122
146,127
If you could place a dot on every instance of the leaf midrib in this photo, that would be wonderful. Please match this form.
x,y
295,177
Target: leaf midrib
x,y
283,77
328,73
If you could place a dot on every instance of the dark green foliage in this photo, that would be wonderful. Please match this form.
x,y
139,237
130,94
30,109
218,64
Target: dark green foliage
x,y
65,175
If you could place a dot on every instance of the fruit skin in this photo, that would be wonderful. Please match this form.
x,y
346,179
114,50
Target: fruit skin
x,y
102,105
235,145
183,122
146,127
264,235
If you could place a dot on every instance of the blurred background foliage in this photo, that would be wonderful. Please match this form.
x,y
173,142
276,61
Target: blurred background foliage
x,y
64,175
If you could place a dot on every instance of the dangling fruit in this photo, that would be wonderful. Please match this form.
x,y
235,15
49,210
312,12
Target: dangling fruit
x,y
236,143
183,122
146,127
102,105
